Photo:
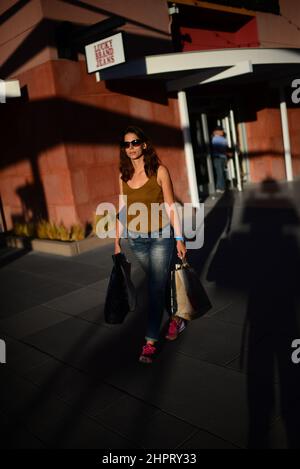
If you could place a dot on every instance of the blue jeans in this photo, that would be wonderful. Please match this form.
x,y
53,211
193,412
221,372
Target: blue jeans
x,y
155,257
219,165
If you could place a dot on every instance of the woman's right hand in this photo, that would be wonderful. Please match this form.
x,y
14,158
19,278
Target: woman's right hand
x,y
117,248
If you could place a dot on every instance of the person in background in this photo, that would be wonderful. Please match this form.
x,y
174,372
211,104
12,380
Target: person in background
x,y
219,149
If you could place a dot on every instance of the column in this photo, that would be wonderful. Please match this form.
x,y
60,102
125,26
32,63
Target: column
x,y
188,148
236,154
211,180
286,136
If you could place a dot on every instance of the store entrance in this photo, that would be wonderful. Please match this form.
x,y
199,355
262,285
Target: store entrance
x,y
205,114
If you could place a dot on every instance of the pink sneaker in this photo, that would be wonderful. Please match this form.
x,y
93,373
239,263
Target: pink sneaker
x,y
147,353
175,328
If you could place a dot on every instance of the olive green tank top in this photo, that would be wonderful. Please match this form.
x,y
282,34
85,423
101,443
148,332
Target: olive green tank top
x,y
151,216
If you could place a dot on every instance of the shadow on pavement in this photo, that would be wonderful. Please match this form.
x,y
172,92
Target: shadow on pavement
x,y
264,261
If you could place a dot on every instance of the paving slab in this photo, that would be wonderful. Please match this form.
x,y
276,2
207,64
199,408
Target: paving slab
x,y
21,357
22,439
20,290
205,440
60,425
88,393
89,347
30,321
146,425
212,340
73,381
99,257
54,267
205,395
77,301
20,302
15,394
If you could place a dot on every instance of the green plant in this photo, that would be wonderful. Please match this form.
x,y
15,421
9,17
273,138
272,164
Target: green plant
x,y
63,233
24,229
96,218
18,229
41,229
52,231
77,233
44,229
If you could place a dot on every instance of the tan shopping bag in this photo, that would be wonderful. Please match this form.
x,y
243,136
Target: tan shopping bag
x,y
189,299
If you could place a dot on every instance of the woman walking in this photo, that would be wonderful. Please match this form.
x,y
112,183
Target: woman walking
x,y
144,180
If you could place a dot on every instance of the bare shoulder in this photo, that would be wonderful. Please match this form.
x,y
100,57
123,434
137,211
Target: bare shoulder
x,y
162,173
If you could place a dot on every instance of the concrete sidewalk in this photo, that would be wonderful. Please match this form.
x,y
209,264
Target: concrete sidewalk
x,y
72,381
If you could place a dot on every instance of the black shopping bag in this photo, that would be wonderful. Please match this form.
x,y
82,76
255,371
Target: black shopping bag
x,y
121,294
187,297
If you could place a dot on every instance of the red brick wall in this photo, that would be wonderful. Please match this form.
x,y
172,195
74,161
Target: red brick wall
x,y
34,174
205,39
28,36
280,30
67,150
100,116
265,146
294,127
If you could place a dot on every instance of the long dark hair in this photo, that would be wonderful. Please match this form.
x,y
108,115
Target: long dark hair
x,y
151,160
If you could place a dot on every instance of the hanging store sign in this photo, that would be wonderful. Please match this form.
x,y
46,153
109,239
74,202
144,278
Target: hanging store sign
x,y
105,53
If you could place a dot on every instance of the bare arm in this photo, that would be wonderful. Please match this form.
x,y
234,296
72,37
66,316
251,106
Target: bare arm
x,y
167,187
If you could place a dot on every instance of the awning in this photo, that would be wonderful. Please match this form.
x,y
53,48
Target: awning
x,y
185,69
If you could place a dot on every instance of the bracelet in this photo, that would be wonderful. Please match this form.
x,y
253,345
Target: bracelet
x,y
179,238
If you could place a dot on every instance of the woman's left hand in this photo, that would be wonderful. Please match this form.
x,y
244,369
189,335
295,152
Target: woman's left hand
x,y
181,249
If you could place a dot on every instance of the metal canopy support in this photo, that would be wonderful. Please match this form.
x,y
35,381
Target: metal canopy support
x,y
244,148
236,154
286,136
229,140
227,130
230,167
211,181
188,148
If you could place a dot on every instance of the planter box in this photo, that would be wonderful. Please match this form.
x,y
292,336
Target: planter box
x,y
61,248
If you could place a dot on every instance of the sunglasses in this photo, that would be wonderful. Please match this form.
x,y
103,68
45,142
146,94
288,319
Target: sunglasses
x,y
135,143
